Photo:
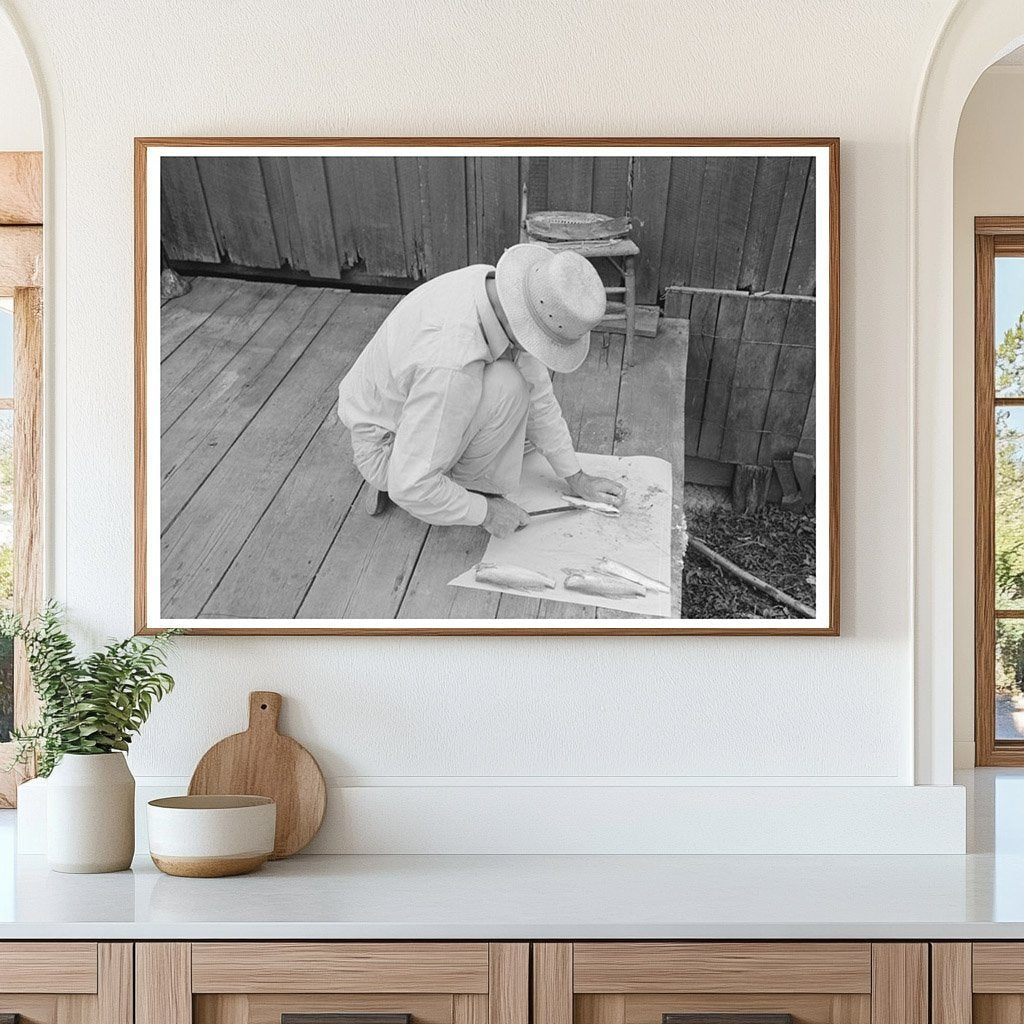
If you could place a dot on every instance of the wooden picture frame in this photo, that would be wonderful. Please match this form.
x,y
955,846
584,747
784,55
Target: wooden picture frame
x,y
822,403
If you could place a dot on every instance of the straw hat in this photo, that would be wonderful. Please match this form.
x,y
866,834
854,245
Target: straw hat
x,y
552,300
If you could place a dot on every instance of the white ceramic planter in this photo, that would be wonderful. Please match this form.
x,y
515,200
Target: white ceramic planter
x,y
90,814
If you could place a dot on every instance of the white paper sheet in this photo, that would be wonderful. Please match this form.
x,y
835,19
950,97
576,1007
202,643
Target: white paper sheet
x,y
640,537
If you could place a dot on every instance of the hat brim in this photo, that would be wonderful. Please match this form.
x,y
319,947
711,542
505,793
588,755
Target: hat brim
x,y
510,280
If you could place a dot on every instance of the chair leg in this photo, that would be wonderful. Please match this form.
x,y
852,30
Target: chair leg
x,y
629,279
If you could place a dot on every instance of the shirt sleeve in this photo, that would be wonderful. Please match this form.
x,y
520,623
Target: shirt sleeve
x,y
545,425
431,429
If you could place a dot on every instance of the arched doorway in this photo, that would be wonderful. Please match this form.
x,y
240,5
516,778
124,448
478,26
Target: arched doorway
x,y
976,34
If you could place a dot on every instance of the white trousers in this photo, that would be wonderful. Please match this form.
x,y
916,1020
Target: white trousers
x,y
490,458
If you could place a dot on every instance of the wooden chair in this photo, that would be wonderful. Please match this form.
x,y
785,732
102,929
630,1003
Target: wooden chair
x,y
621,253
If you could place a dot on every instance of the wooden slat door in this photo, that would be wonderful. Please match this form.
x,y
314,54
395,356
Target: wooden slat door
x,y
259,982
66,982
813,982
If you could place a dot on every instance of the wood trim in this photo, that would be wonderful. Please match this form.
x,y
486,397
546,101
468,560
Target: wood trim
x,y
69,968
21,258
28,482
163,983
143,623
220,967
951,983
636,967
508,990
115,983
28,512
21,188
984,501
999,226
552,983
899,983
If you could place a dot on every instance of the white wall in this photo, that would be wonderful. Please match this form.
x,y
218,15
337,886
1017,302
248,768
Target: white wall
x,y
431,715
20,124
987,181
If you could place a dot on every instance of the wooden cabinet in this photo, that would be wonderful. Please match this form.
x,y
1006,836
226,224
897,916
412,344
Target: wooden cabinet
x,y
494,983
977,983
758,982
66,982
264,982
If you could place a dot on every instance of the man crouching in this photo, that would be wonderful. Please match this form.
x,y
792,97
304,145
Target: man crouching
x,y
447,394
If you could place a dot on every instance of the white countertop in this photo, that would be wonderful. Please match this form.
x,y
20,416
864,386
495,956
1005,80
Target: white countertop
x,y
495,897
977,896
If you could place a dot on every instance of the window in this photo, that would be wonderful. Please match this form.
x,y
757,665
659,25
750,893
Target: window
x,y
999,490
6,510
21,373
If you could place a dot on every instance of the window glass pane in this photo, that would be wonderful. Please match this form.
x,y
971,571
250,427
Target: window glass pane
x,y
6,352
1009,315
1009,679
1009,508
6,567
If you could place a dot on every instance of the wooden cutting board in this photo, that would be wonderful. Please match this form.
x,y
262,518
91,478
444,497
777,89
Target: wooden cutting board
x,y
262,762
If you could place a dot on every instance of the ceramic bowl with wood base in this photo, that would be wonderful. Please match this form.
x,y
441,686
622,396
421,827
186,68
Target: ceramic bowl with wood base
x,y
211,836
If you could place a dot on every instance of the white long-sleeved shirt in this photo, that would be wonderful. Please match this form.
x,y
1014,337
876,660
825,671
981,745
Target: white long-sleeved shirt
x,y
420,379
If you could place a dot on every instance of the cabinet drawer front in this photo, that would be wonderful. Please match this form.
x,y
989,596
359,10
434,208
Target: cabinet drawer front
x,y
58,967
998,967
636,967
339,967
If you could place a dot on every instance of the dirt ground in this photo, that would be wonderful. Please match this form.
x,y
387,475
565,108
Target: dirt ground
x,y
775,544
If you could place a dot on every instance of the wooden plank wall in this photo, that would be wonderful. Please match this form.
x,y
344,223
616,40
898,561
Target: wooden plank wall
x,y
750,389
724,222
739,223
403,218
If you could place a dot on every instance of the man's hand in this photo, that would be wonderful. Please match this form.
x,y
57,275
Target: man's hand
x,y
503,517
596,488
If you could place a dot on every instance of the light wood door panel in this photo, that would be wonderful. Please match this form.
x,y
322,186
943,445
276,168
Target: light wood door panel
x,y
257,982
67,983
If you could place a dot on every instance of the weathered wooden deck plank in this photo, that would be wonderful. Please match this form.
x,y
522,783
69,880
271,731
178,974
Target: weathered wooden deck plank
x,y
185,314
200,546
194,443
207,350
447,551
652,400
273,571
366,572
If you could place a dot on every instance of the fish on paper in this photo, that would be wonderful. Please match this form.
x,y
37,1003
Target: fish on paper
x,y
599,584
595,506
516,576
613,568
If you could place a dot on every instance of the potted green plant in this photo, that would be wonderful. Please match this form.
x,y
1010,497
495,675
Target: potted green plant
x,y
90,708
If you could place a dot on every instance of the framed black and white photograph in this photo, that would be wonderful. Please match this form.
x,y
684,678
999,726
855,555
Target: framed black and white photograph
x,y
569,386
